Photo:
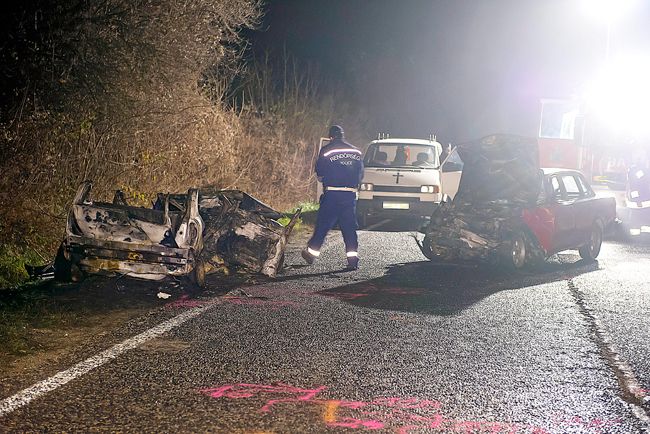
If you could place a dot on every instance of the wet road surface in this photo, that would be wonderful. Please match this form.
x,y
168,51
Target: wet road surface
x,y
401,345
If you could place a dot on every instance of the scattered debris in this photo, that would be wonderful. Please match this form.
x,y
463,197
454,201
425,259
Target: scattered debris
x,y
237,292
163,295
40,272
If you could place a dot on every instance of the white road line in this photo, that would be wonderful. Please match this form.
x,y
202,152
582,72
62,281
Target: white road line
x,y
25,396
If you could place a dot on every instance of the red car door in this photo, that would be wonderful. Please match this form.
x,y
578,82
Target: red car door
x,y
563,211
583,205
553,220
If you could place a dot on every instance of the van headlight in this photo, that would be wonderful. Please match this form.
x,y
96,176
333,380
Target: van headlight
x,y
429,189
366,187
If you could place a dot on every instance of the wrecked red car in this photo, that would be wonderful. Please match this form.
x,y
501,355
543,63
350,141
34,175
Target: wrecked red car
x,y
510,212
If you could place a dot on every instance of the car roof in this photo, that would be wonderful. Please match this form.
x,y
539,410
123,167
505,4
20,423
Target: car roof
x,y
406,142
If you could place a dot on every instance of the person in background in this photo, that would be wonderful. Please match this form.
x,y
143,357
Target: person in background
x,y
401,156
381,159
446,150
340,168
422,160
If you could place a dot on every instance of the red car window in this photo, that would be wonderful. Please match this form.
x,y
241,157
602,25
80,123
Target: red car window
x,y
571,187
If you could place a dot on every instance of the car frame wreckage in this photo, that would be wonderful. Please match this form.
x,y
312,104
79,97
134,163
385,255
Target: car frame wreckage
x,y
510,213
182,235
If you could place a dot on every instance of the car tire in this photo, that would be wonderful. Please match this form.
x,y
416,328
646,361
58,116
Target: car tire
x,y
591,250
197,275
62,266
515,252
76,273
425,247
362,219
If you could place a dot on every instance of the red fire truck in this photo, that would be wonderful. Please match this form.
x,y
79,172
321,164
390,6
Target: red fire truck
x,y
618,167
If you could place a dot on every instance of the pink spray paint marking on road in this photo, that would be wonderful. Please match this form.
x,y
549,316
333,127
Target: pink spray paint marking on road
x,y
596,425
368,289
256,301
186,302
404,415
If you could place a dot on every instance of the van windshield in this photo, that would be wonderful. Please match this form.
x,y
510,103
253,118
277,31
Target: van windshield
x,y
402,155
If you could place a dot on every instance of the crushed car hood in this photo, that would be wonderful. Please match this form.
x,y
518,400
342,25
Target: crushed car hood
x,y
499,168
501,177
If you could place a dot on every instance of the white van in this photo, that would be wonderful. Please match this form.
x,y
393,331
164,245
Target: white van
x,y
405,177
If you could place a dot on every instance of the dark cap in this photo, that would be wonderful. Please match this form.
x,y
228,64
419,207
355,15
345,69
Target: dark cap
x,y
336,132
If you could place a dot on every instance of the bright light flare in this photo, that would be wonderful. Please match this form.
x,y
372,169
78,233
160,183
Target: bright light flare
x,y
607,10
620,96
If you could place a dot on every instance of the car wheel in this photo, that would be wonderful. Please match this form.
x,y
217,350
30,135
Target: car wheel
x,y
197,275
76,273
591,250
514,253
62,266
426,248
362,219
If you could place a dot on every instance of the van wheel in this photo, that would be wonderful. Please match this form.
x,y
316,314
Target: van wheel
x,y
591,250
362,219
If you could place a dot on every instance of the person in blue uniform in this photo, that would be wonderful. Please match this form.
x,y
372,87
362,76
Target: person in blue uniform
x,y
340,169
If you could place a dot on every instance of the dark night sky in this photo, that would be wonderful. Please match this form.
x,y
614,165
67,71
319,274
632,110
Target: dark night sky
x,y
460,68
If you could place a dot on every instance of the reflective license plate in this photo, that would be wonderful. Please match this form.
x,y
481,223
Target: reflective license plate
x,y
395,205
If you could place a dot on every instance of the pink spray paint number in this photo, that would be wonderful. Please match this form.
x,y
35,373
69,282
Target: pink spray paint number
x,y
403,415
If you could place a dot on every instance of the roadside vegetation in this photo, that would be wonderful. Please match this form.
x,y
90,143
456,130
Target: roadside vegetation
x,y
148,97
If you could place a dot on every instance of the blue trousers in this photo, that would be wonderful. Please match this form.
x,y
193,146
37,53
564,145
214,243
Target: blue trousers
x,y
336,206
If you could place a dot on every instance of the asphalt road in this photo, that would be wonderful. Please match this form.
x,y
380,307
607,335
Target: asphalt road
x,y
401,345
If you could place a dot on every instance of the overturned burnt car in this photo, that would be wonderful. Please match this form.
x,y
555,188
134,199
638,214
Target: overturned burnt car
x,y
185,235
115,238
510,212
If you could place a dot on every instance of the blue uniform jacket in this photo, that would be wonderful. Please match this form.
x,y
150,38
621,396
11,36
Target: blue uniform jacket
x,y
340,165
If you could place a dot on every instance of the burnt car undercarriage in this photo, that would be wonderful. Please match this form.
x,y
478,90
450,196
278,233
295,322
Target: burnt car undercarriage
x,y
183,235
